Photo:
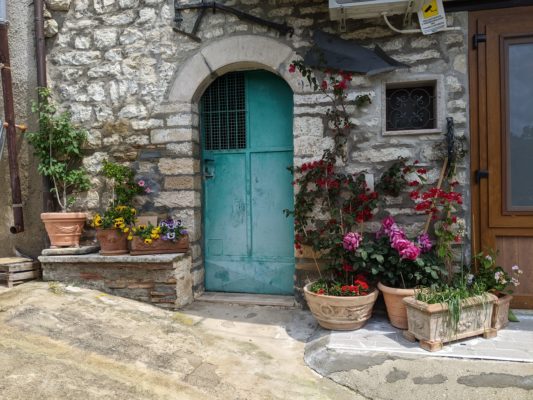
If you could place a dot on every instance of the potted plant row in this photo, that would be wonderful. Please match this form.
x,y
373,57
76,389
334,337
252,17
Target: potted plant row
x,y
331,212
170,236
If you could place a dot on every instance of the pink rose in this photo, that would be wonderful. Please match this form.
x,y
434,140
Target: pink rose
x,y
410,252
400,243
140,183
351,241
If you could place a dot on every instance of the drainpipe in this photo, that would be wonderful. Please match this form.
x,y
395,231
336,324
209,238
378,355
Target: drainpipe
x,y
40,55
9,113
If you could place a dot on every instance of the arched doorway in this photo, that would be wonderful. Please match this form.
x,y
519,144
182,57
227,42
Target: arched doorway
x,y
247,145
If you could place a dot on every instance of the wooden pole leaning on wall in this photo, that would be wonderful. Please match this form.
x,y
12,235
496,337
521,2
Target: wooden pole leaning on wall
x,y
11,130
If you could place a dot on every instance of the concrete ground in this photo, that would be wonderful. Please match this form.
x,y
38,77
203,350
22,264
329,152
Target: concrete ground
x,y
66,343
73,343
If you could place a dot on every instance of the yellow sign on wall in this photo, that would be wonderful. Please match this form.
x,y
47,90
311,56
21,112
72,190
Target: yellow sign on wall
x,y
430,9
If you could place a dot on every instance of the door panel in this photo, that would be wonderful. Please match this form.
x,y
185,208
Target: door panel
x,y
502,139
248,239
269,199
225,205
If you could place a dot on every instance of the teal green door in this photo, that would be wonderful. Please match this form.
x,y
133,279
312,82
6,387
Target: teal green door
x,y
246,122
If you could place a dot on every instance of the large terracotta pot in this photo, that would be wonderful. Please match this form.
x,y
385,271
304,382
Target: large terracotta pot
x,y
112,242
138,247
341,313
500,314
64,229
395,306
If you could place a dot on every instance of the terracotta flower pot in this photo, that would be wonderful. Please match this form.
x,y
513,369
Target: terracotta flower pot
x,y
395,306
341,313
500,314
112,242
64,229
138,247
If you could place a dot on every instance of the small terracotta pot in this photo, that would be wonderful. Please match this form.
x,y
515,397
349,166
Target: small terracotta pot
x,y
64,229
395,306
112,242
138,247
500,313
341,313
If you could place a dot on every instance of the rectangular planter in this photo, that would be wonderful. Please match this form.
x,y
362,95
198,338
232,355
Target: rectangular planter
x,y
431,323
138,247
500,315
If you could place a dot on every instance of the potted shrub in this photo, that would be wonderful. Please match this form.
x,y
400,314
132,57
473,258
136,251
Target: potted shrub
x,y
419,261
113,226
406,264
494,279
170,236
58,145
437,316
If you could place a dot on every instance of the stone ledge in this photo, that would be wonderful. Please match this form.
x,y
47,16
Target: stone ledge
x,y
99,259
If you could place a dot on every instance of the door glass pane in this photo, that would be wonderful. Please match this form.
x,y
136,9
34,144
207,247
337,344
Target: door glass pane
x,y
520,127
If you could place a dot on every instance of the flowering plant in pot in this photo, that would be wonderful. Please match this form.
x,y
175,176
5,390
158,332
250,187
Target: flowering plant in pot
x,y
113,226
330,209
58,146
494,279
170,236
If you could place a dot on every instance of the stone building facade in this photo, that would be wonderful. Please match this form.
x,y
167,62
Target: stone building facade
x,y
135,85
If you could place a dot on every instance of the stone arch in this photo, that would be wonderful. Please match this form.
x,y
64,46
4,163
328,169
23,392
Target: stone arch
x,y
230,54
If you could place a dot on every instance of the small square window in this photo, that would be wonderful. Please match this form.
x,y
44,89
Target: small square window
x,y
410,107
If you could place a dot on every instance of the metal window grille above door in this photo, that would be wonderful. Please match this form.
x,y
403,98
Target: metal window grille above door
x,y
224,113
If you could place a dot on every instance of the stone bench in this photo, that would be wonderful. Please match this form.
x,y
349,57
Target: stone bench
x,y
163,280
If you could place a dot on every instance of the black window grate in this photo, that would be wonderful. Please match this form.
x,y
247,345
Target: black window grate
x,y
223,109
410,108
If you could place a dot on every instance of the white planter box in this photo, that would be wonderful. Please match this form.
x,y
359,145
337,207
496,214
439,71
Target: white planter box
x,y
431,324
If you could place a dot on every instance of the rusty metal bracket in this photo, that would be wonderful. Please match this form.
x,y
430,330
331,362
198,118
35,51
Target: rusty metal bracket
x,y
284,29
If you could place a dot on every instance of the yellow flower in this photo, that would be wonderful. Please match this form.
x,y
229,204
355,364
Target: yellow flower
x,y
120,208
134,229
97,220
120,220
147,241
154,235
158,229
125,229
133,211
141,227
130,237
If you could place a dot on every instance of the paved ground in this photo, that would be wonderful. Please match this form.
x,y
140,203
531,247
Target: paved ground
x,y
82,344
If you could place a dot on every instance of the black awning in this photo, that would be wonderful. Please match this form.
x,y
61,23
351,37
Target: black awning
x,y
330,51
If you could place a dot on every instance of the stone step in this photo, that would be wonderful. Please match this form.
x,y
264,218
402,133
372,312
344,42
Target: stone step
x,y
249,299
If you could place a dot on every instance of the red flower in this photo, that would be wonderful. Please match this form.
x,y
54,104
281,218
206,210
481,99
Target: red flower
x,y
362,284
292,68
421,171
413,183
320,291
324,85
414,195
347,267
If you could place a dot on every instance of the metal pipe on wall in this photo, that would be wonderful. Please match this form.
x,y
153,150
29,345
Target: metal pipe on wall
x,y
40,55
9,114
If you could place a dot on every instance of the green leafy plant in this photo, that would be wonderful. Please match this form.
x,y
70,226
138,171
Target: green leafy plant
x,y
492,277
452,296
58,145
119,217
125,188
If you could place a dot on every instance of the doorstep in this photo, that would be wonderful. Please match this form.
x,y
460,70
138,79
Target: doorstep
x,y
249,299
378,341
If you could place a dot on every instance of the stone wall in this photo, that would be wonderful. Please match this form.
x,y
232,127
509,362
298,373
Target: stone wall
x,y
162,280
120,69
23,71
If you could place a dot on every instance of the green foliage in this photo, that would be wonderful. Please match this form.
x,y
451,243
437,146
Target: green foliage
x,y
124,186
58,145
493,277
452,296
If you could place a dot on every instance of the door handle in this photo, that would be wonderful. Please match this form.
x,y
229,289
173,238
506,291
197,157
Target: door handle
x,y
209,172
481,174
